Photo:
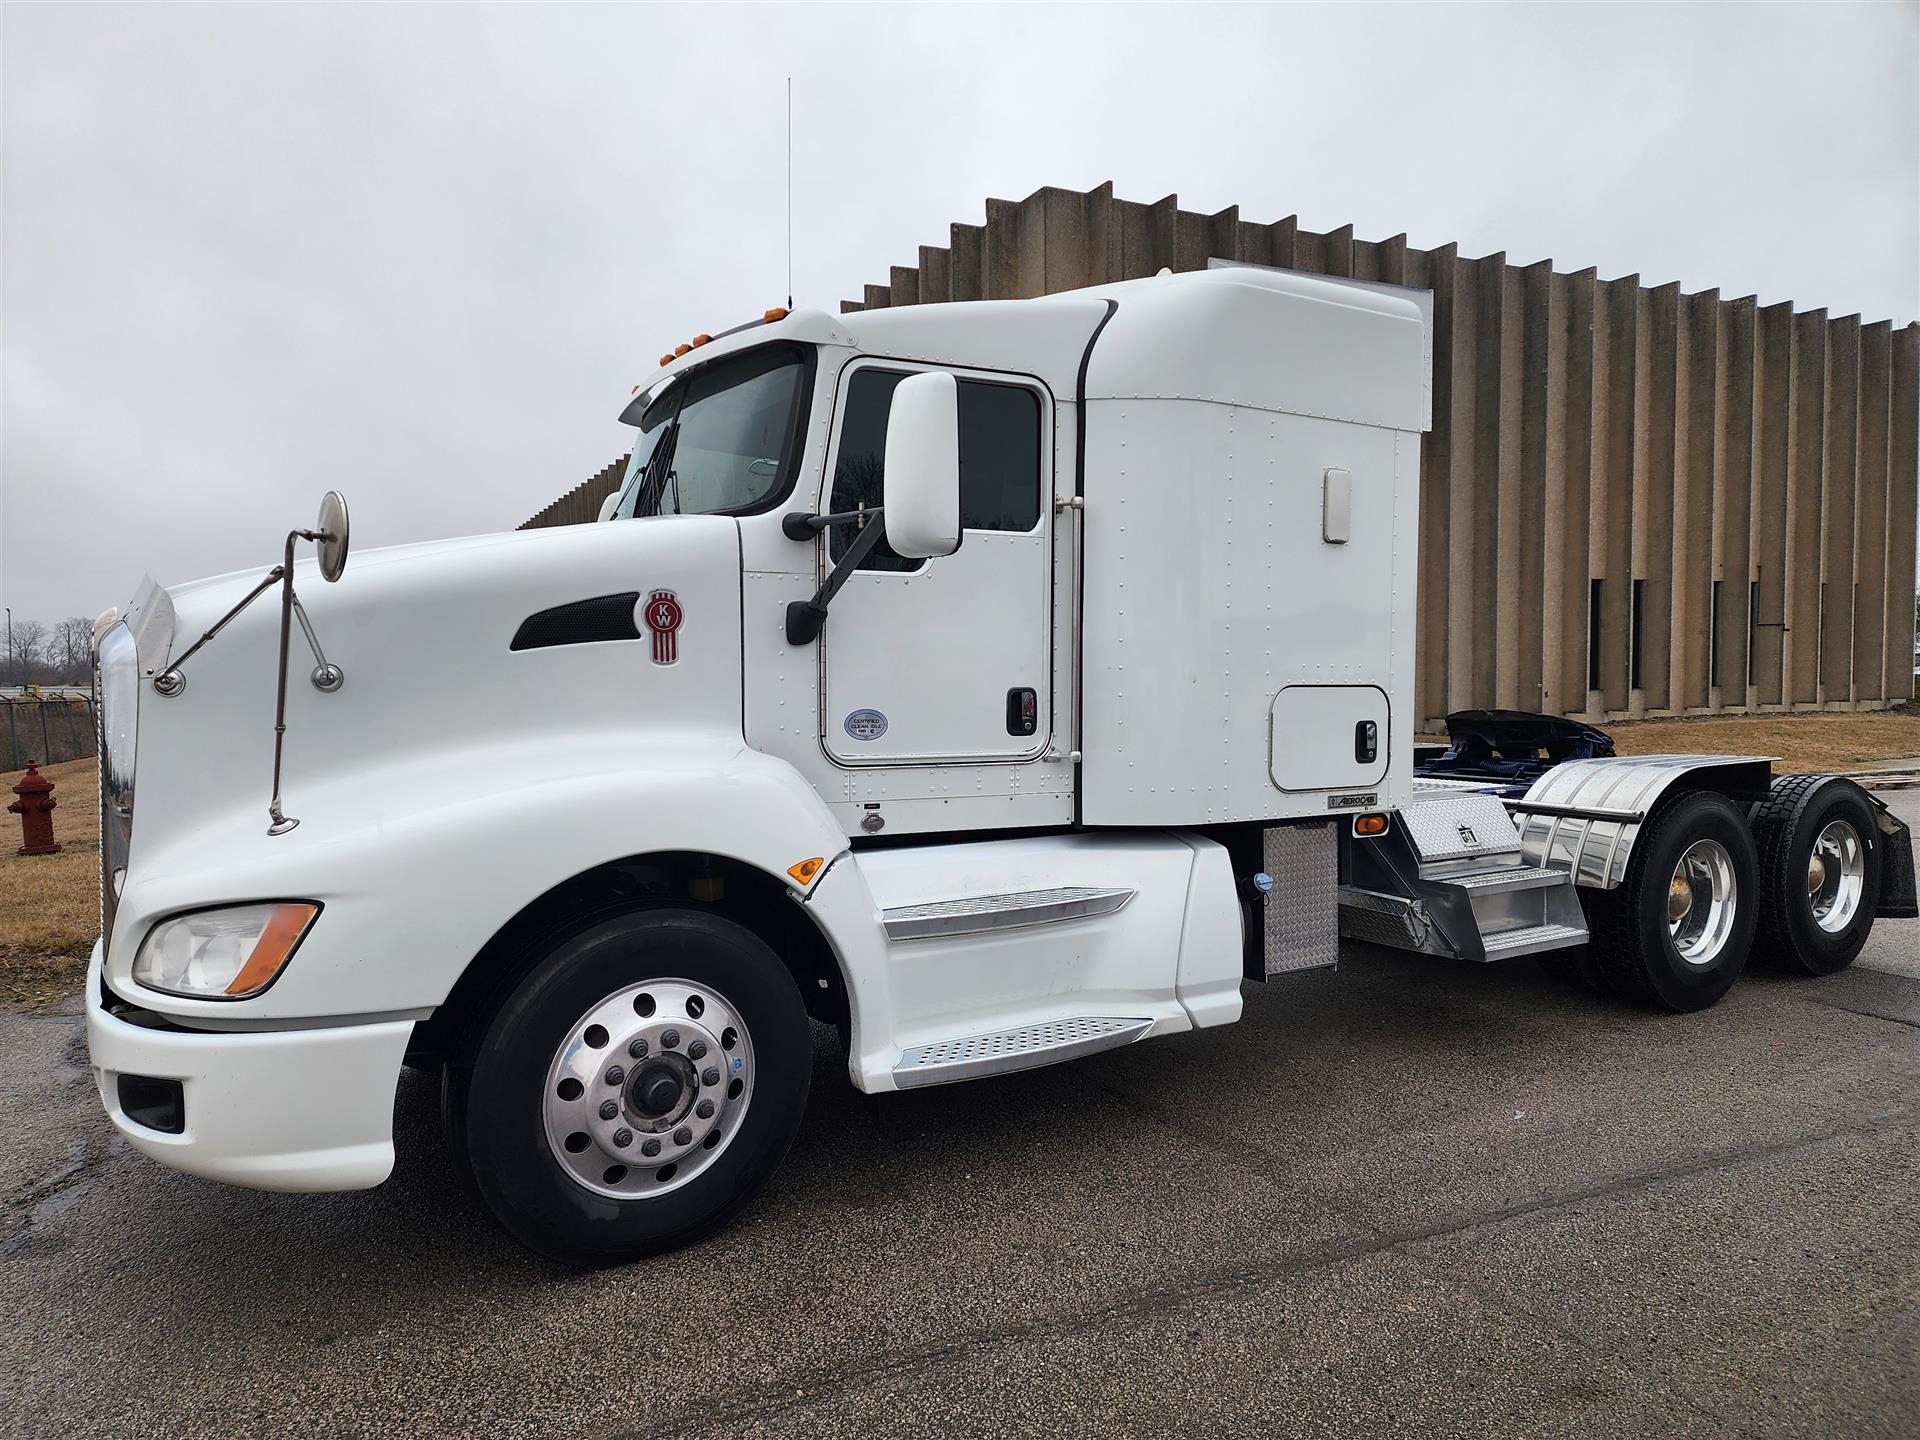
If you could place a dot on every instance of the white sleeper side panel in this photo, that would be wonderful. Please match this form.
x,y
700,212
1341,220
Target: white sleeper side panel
x,y
1210,590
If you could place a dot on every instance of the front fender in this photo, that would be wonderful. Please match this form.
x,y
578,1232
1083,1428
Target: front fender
x,y
414,885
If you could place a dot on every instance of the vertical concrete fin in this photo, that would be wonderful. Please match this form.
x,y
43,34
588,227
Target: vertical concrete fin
x,y
1806,454
1836,510
1000,266
967,267
1003,250
1163,235
1695,552
1733,500
936,283
1772,421
1223,234
1870,528
1903,477
1656,378
878,298
1570,457
1526,301
1103,236
1282,236
903,285
1336,251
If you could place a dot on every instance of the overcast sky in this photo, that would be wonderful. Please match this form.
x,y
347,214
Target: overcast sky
x,y
421,253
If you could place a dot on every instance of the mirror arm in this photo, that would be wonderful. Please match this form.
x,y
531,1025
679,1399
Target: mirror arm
x,y
801,526
807,618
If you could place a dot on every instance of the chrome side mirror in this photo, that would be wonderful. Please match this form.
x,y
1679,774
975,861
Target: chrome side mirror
x,y
330,535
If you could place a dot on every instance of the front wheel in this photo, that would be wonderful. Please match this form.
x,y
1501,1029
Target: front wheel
x,y
637,1088
1677,931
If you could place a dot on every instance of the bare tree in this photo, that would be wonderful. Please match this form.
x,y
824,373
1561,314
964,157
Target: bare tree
x,y
73,645
29,643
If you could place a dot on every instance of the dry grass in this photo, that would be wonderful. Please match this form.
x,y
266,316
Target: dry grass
x,y
1810,740
1822,741
50,904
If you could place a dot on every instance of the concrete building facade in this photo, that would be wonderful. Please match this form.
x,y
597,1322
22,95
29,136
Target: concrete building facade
x,y
1633,501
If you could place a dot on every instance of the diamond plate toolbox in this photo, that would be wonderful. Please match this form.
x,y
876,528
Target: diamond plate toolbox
x,y
1303,908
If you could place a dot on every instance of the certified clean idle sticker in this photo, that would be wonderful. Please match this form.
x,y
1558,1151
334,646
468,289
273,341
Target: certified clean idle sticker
x,y
866,724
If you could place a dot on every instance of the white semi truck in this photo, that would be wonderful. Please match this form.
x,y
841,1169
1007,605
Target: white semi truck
x,y
996,682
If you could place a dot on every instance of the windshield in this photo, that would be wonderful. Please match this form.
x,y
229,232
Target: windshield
x,y
716,442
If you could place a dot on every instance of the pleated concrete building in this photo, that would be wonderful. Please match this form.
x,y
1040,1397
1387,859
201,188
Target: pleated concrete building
x,y
1633,501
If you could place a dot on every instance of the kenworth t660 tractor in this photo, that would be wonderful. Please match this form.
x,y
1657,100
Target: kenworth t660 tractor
x,y
997,683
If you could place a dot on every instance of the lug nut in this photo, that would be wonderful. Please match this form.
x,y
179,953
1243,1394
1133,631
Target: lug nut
x,y
638,1048
670,1039
704,1109
696,1049
710,1076
683,1136
615,1075
622,1138
609,1109
650,1147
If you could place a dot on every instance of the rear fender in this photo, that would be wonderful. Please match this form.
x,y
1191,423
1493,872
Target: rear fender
x,y
1585,815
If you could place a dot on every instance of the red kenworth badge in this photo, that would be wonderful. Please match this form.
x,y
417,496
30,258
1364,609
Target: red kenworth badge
x,y
663,619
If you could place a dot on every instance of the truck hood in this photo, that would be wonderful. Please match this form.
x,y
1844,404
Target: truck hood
x,y
425,636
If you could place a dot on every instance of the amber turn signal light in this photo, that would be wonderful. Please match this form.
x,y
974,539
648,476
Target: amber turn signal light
x,y
1364,825
283,931
806,869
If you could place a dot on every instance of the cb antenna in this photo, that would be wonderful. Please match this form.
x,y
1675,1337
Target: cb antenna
x,y
789,192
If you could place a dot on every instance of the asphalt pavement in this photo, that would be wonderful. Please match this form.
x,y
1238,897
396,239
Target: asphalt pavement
x,y
1403,1197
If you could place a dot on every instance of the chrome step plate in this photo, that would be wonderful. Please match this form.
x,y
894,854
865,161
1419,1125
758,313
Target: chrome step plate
x,y
1001,1051
1505,877
976,913
1532,939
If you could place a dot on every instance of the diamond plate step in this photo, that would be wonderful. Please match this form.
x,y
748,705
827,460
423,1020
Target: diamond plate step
x,y
1532,939
1505,877
1000,1051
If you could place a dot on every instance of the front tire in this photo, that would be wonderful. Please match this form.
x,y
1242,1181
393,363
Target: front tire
x,y
637,1087
1820,863
1677,932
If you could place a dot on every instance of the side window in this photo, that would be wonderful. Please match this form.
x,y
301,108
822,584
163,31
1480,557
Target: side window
x,y
999,459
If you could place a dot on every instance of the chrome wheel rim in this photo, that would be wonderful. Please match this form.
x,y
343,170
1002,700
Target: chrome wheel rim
x,y
1701,896
648,1088
1836,876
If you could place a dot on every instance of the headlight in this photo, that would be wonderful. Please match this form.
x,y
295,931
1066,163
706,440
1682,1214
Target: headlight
x,y
225,954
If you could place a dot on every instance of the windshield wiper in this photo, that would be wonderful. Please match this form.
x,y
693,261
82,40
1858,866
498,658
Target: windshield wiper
x,y
658,470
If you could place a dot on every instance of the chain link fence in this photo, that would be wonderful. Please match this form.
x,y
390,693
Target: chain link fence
x,y
45,729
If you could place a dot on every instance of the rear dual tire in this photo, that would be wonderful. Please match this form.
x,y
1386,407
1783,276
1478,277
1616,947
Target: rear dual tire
x,y
1677,931
1820,868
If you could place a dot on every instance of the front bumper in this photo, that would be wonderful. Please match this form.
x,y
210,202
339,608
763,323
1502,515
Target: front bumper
x,y
276,1109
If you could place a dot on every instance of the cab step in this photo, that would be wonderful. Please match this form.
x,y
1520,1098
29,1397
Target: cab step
x,y
1533,939
1000,1052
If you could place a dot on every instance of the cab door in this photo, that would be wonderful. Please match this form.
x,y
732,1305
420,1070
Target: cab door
x,y
946,659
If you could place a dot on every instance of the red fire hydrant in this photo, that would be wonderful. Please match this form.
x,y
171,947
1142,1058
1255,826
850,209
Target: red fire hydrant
x,y
35,809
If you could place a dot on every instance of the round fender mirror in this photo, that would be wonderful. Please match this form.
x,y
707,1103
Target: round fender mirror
x,y
332,543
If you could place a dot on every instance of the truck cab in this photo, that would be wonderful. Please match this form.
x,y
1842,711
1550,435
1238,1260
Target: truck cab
x,y
994,682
